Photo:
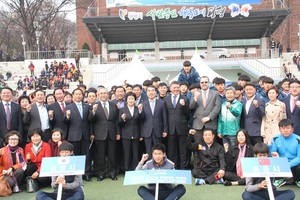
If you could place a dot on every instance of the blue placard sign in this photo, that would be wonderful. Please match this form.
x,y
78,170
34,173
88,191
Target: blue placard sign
x,y
266,167
67,165
158,176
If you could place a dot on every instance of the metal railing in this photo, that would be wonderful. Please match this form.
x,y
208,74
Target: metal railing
x,y
102,77
166,56
57,54
274,72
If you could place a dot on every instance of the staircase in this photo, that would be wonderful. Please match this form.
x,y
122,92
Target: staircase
x,y
267,67
101,74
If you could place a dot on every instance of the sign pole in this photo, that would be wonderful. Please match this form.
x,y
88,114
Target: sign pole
x,y
270,189
59,192
156,191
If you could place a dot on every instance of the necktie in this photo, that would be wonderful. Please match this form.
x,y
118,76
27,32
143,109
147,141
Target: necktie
x,y
7,116
174,100
293,104
105,110
204,98
152,107
62,106
80,109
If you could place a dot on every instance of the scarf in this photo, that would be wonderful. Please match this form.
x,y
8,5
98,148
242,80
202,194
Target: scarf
x,y
36,148
54,148
19,156
242,152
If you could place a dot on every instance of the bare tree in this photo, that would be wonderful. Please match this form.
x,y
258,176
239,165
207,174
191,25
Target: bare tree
x,y
33,15
58,32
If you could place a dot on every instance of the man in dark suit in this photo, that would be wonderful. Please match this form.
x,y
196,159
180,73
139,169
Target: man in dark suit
x,y
10,115
58,109
104,119
120,102
207,103
120,97
154,120
252,114
178,114
37,115
79,134
292,104
137,90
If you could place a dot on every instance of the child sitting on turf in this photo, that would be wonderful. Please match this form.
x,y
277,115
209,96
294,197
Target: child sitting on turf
x,y
159,161
72,185
257,188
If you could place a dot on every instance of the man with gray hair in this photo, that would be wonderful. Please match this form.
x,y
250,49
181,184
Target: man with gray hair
x,y
229,117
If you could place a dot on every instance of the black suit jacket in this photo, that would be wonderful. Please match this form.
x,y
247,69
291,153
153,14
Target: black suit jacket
x,y
103,127
78,127
158,123
16,120
130,128
178,116
252,121
293,116
58,117
141,100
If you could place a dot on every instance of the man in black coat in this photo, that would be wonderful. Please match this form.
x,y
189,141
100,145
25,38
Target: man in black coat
x,y
178,114
10,115
105,131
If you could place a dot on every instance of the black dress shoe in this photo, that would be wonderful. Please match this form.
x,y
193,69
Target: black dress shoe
x,y
114,178
87,178
100,178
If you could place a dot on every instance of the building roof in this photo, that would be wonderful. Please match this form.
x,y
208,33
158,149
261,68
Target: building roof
x,y
114,30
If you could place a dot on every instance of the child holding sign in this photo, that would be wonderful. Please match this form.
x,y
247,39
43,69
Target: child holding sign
x,y
257,188
72,185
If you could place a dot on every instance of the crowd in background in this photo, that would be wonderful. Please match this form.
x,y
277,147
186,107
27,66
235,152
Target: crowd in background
x,y
53,75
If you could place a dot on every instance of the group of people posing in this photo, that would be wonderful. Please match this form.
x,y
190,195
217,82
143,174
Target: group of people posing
x,y
219,125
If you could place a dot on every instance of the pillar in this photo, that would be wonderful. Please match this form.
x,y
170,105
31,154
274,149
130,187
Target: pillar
x,y
209,49
156,49
264,47
104,52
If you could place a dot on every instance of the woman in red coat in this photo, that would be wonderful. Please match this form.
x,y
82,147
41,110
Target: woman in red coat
x,y
12,160
35,151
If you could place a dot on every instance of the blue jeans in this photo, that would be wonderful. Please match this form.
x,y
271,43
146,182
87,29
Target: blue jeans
x,y
52,196
264,195
229,139
175,193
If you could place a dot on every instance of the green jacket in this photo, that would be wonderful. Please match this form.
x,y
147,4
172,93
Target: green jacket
x,y
229,119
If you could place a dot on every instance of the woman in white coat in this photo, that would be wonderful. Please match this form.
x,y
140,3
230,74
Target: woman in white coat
x,y
274,112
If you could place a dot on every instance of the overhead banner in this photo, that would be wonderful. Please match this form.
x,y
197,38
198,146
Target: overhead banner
x,y
118,3
188,12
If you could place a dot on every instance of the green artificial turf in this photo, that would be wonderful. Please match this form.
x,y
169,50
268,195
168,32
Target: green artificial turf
x,y
110,190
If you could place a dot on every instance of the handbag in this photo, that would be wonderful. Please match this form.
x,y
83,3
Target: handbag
x,y
31,185
5,189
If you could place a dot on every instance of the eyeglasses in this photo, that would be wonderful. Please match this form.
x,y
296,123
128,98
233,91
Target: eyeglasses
x,y
204,82
13,139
